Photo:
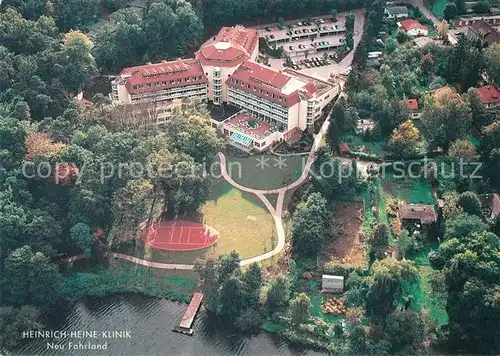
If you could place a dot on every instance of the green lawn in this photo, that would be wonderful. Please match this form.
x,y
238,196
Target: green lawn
x,y
416,191
381,201
474,141
263,171
438,7
423,294
273,199
370,147
242,220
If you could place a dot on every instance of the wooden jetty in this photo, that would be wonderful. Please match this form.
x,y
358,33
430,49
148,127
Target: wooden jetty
x,y
185,326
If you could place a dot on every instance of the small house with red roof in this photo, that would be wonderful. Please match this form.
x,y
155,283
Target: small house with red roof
x,y
412,104
490,96
344,148
413,28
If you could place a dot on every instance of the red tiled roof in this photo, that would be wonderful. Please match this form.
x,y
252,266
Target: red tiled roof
x,y
426,214
412,104
269,81
344,148
163,72
231,47
411,24
489,94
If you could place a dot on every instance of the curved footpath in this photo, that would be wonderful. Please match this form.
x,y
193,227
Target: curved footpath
x,y
277,212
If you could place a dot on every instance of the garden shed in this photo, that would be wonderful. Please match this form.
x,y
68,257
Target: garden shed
x,y
332,284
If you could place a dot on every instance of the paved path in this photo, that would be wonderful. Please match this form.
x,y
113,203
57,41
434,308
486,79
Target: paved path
x,y
277,212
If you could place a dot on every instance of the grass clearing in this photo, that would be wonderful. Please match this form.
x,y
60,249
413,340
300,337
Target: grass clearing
x,y
357,144
273,199
241,218
425,298
438,7
411,190
265,170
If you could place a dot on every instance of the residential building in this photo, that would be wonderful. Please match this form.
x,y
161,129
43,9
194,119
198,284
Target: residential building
x,y
419,214
396,12
413,28
416,113
483,32
490,96
158,85
468,20
275,103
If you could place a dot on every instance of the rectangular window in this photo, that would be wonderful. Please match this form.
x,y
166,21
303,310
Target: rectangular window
x,y
172,81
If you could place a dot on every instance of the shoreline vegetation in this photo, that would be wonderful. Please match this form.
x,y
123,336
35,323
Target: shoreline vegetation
x,y
122,278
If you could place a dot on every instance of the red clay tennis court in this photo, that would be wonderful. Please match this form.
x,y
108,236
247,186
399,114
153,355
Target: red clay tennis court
x,y
180,235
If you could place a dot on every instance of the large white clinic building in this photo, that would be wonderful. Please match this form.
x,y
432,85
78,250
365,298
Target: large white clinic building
x,y
274,103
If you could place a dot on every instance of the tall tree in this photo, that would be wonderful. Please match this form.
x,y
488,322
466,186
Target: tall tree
x,y
470,203
310,225
472,272
30,278
386,287
405,141
446,121
300,309
278,293
80,234
379,240
492,59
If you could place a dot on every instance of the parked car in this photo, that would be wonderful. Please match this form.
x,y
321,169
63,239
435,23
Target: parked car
x,y
299,23
307,65
321,21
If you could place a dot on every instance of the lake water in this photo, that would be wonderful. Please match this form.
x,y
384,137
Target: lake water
x,y
149,322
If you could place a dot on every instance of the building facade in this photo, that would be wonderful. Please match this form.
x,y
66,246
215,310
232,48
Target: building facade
x,y
413,28
224,71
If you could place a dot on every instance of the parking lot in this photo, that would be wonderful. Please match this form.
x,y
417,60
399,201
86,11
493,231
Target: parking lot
x,y
309,47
